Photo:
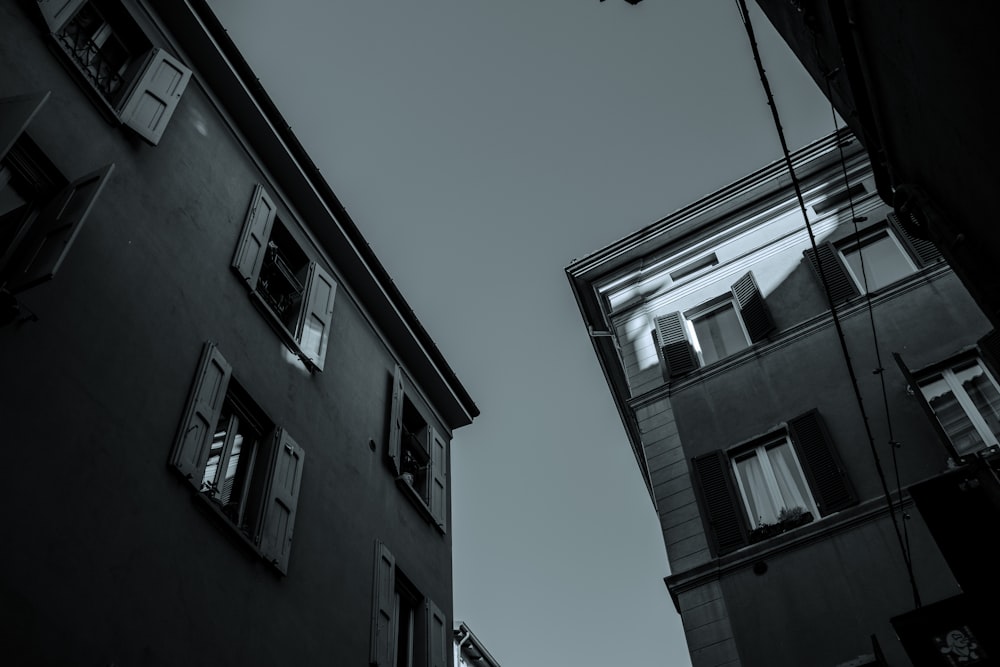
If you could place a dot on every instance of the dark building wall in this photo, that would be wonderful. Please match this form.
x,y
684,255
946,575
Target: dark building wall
x,y
116,560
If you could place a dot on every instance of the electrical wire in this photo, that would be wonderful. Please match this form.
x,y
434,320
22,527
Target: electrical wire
x,y
745,15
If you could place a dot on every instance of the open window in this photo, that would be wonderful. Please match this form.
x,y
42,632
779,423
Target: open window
x,y
418,455
408,629
295,292
245,467
770,485
714,330
127,77
41,213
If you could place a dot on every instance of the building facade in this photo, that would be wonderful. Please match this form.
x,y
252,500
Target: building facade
x,y
228,434
782,472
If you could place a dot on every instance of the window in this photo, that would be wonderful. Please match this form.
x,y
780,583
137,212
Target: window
x,y
135,83
713,331
248,469
418,455
770,485
965,400
41,213
296,293
888,252
408,629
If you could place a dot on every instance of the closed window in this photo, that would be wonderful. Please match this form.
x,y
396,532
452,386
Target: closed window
x,y
771,482
718,332
876,259
135,83
296,293
965,400
240,462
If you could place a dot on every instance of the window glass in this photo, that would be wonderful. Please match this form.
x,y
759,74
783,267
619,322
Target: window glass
x,y
983,393
966,402
770,480
719,334
883,258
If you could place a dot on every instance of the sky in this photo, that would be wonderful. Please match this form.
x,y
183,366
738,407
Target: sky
x,y
481,146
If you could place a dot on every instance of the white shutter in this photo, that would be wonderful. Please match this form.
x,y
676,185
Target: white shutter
x,y
201,415
437,449
57,12
282,500
154,98
383,644
256,232
15,115
396,421
51,235
313,329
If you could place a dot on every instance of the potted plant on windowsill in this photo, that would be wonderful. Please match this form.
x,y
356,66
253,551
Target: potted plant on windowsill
x,y
788,518
410,467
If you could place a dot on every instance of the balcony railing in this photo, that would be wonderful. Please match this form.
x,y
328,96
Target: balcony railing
x,y
90,58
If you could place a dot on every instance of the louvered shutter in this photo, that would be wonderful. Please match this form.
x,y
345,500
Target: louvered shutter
x,y
15,116
155,96
721,505
312,332
753,309
256,232
201,417
437,449
282,499
396,421
678,355
989,349
438,644
928,411
841,285
47,243
383,644
831,488
922,250
57,12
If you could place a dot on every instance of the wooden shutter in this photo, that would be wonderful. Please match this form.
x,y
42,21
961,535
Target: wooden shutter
x,y
312,332
678,355
722,508
394,450
256,233
438,644
155,96
989,349
922,250
437,449
282,499
753,308
383,644
841,285
51,236
15,115
914,389
57,12
201,417
830,486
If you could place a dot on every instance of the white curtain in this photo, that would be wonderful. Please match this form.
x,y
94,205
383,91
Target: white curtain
x,y
790,483
762,509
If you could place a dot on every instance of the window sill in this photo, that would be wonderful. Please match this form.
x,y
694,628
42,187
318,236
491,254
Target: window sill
x,y
767,531
418,501
216,514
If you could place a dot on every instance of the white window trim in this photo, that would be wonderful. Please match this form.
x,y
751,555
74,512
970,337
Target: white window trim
x,y
859,241
971,411
760,451
707,309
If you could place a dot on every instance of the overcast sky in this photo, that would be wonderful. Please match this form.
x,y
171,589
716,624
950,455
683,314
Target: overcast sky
x,y
481,146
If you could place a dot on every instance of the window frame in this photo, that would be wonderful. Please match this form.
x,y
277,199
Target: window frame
x,y
760,451
867,237
945,372
707,309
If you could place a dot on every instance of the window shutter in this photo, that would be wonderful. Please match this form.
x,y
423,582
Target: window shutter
x,y
914,390
678,355
437,636
989,349
841,285
312,332
923,250
154,98
822,466
753,308
396,421
383,645
282,499
57,12
721,506
437,449
256,233
201,415
51,235
15,115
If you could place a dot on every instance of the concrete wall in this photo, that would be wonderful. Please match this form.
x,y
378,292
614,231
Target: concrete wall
x,y
108,557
